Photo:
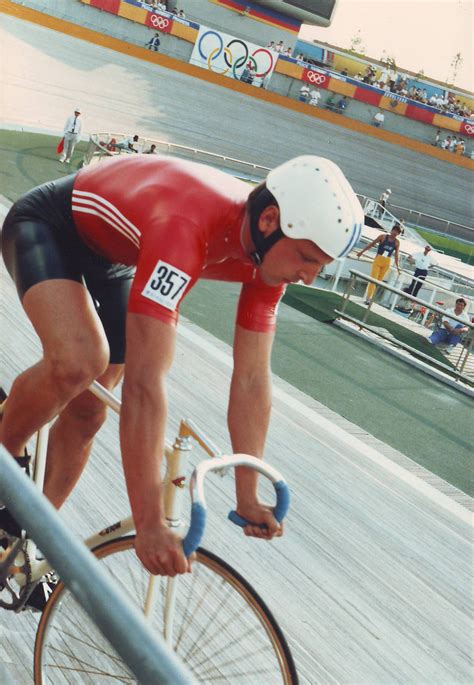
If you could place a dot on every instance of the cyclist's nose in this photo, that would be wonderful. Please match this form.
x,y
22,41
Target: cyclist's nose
x,y
308,275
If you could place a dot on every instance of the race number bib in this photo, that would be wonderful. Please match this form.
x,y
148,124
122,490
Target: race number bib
x,y
166,285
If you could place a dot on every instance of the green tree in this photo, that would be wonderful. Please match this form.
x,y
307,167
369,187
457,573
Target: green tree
x,y
458,59
357,44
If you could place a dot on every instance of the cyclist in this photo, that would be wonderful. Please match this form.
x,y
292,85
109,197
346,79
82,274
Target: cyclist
x,y
117,246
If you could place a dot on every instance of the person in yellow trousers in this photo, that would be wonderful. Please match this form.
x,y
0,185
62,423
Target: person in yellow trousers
x,y
388,246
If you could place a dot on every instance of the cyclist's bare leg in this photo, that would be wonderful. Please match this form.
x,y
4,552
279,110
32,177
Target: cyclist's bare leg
x,y
75,352
71,437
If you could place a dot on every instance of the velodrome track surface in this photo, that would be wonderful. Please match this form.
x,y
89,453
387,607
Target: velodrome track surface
x,y
372,581
45,74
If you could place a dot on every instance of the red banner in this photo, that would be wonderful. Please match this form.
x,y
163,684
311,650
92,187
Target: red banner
x,y
419,113
467,128
106,5
158,22
316,78
369,95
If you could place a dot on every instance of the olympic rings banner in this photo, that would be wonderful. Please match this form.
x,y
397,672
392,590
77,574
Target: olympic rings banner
x,y
233,57
319,79
158,22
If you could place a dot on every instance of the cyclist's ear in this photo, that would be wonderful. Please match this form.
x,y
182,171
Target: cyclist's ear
x,y
269,220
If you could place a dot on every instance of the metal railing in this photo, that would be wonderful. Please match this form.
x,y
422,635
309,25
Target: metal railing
x,y
429,221
105,145
456,371
146,655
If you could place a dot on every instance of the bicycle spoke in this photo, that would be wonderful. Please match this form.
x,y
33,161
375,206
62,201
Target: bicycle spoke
x,y
221,629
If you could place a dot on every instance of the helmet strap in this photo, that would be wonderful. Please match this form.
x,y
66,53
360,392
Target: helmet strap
x,y
262,244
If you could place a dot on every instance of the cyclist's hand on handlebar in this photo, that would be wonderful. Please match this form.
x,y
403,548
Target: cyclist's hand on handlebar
x,y
161,551
260,514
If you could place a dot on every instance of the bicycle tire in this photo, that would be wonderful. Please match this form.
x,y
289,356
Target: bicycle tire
x,y
224,632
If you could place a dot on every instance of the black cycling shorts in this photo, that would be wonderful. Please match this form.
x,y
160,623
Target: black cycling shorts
x,y
40,243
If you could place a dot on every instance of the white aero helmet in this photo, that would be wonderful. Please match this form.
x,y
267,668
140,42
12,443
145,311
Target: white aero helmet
x,y
317,203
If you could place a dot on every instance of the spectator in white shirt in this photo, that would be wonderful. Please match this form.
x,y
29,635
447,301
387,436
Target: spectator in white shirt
x,y
314,97
72,134
304,93
378,120
451,330
422,261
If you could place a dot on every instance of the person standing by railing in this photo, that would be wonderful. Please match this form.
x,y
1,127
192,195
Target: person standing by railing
x,y
72,134
388,245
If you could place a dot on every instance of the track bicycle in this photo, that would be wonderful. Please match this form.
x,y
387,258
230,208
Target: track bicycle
x,y
213,618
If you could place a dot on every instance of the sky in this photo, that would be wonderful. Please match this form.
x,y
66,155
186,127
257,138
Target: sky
x,y
419,34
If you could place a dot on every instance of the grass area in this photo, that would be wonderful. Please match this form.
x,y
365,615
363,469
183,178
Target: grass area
x,y
450,246
28,159
321,305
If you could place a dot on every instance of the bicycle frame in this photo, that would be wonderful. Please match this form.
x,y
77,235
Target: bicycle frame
x,y
174,486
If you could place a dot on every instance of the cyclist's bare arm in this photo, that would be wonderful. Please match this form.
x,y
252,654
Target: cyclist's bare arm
x,y
150,350
248,417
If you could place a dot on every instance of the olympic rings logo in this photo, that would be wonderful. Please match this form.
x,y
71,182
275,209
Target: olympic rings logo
x,y
469,128
315,77
160,23
236,54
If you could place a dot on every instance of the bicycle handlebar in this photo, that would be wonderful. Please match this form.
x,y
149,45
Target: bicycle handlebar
x,y
199,510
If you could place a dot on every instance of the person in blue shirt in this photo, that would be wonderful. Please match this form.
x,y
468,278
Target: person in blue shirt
x,y
387,245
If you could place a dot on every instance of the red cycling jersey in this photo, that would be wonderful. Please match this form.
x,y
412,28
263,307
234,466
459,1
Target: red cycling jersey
x,y
176,221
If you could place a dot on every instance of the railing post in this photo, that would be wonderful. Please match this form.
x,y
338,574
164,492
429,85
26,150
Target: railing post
x,y
144,652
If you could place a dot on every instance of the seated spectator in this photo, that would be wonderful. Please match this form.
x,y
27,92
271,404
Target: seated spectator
x,y
358,76
279,47
344,72
379,118
314,97
154,43
181,14
128,145
151,151
452,144
342,104
288,52
304,93
271,45
433,100
446,143
460,148
451,330
248,73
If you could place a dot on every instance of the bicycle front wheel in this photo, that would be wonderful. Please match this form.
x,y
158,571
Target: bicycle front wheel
x,y
222,629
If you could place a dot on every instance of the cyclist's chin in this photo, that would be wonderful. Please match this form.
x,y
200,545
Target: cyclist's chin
x,y
272,279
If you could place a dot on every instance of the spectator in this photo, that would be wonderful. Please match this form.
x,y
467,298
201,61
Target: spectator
x,y
72,133
379,118
314,97
383,199
128,144
460,148
446,143
181,14
342,104
271,45
154,42
422,261
151,151
451,330
358,76
279,47
288,52
437,137
304,93
382,263
344,72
